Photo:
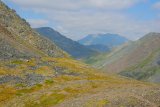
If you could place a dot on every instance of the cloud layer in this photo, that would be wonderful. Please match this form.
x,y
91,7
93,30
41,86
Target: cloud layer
x,y
77,18
77,4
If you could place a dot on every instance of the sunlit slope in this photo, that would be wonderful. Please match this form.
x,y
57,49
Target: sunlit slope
x,y
148,66
139,59
101,60
63,82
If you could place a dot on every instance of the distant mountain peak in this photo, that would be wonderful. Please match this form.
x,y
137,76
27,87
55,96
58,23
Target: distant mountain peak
x,y
47,29
108,39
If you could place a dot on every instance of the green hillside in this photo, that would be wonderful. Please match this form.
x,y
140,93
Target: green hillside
x,y
139,59
34,72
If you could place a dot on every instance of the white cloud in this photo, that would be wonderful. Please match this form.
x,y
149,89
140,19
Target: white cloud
x,y
79,24
113,4
37,22
77,4
77,18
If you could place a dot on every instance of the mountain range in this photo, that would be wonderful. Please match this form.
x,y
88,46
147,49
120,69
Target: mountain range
x,y
72,47
107,40
35,72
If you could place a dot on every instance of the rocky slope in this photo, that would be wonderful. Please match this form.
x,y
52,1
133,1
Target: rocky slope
x,y
36,73
72,47
23,34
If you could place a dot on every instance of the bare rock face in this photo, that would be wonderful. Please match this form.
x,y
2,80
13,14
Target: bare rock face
x,y
10,48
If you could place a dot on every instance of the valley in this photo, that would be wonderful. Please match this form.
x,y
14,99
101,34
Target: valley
x,y
42,68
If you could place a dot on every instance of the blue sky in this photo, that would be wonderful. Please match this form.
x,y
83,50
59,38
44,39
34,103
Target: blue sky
x,y
78,18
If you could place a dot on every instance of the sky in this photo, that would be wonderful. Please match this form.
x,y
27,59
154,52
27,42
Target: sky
x,y
78,18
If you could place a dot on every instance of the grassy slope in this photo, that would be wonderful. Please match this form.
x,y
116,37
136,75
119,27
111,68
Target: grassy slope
x,y
147,68
77,82
101,60
138,59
